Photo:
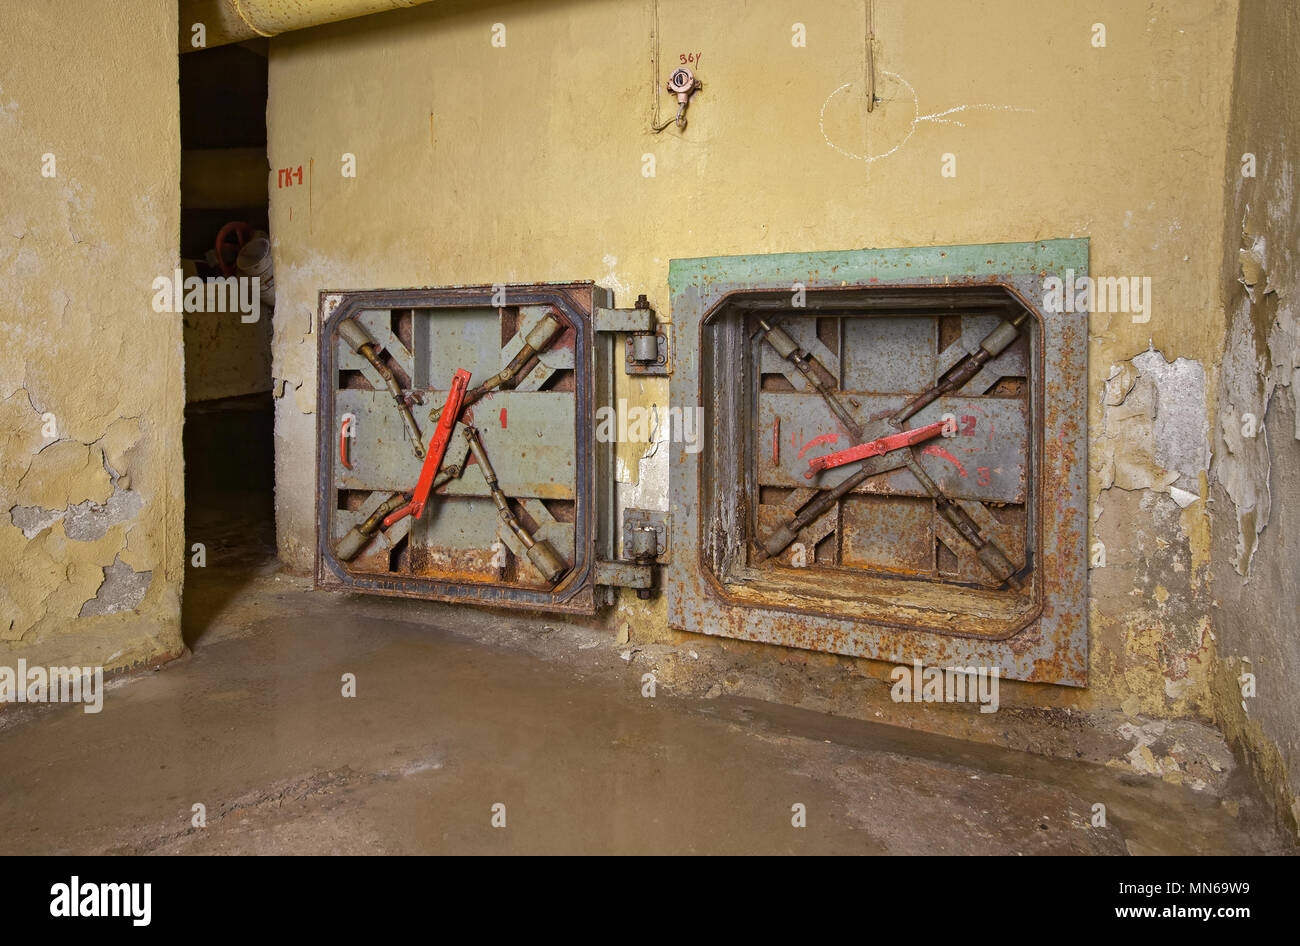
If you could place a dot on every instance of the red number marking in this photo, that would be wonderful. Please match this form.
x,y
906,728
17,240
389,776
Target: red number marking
x,y
818,441
935,450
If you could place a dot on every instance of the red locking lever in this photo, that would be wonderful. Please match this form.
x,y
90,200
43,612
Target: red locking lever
x,y
874,448
437,449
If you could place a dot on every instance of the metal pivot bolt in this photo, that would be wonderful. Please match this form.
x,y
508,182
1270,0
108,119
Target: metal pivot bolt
x,y
645,348
645,345
644,540
642,548
644,545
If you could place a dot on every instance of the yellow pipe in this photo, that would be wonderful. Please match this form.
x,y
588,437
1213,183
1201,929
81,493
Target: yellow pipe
x,y
233,21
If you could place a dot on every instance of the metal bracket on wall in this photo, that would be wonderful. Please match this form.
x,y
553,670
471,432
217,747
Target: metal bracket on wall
x,y
645,534
620,574
647,354
647,339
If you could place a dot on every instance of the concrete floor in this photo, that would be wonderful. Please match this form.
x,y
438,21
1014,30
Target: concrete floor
x,y
452,718
458,711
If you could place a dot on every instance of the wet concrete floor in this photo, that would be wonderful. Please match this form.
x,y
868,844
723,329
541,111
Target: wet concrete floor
x,y
446,724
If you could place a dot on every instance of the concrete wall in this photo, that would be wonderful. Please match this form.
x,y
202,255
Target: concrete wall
x,y
485,164
225,357
91,388
1256,518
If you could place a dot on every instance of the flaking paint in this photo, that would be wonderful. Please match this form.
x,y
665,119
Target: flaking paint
x,y
78,252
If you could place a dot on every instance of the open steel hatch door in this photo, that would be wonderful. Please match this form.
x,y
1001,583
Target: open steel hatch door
x,y
498,508
895,456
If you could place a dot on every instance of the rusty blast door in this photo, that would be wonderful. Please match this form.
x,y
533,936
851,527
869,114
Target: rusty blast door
x,y
510,502
889,456
894,455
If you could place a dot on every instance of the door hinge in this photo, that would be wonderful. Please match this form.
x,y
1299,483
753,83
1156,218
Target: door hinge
x,y
647,338
624,574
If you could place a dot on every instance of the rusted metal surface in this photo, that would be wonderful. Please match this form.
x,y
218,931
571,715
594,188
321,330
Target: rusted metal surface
x,y
644,531
886,576
889,532
533,360
623,574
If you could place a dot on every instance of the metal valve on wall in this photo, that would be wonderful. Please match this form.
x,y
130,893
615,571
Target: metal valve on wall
x,y
683,84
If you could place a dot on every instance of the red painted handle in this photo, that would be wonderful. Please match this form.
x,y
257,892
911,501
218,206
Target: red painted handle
x,y
438,445
398,515
874,448
344,458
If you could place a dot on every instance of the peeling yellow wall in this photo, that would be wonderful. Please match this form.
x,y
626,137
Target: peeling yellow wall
x,y
1256,586
91,388
525,162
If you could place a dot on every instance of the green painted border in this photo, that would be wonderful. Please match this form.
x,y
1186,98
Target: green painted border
x,y
862,266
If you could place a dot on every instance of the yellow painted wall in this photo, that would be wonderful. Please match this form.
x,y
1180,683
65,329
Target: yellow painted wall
x,y
484,164
93,84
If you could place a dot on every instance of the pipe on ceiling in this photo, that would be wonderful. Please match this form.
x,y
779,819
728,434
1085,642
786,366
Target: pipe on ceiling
x,y
234,21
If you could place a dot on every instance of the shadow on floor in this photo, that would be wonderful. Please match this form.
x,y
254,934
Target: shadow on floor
x,y
229,503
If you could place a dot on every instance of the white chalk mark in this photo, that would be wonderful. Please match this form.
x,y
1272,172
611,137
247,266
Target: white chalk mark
x,y
917,118
936,116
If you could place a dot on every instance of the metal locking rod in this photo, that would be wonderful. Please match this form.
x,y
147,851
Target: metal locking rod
x,y
355,334
990,556
535,342
986,550
359,536
540,552
875,448
386,515
789,349
994,344
446,476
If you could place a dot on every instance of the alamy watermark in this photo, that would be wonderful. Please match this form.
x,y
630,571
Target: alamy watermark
x,y
922,684
242,294
53,685
654,424
75,898
1130,294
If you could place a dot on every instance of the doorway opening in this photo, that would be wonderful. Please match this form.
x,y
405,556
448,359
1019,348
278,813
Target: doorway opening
x,y
225,253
